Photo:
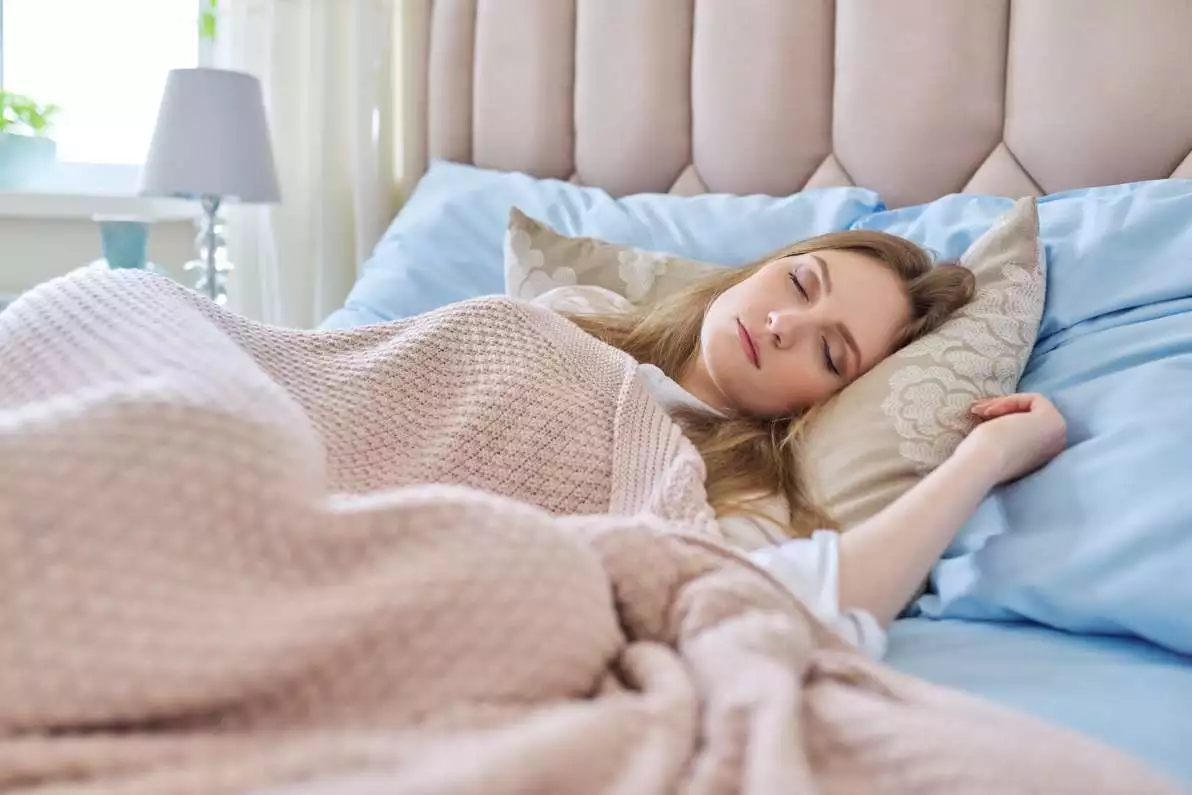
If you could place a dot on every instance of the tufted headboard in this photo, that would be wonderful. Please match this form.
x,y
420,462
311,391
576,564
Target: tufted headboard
x,y
913,98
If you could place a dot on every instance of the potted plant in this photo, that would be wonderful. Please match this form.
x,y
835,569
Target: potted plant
x,y
27,153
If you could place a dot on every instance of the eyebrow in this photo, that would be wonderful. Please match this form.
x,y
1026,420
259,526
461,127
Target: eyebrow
x,y
825,277
841,329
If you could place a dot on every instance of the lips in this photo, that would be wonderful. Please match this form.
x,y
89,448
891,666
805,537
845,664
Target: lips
x,y
748,345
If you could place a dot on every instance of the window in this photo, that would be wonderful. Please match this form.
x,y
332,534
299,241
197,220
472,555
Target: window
x,y
104,63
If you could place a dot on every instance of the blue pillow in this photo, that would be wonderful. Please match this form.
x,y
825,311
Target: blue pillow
x,y
1100,540
946,227
446,244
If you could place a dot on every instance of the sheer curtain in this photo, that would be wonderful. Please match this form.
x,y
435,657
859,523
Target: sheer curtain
x,y
325,67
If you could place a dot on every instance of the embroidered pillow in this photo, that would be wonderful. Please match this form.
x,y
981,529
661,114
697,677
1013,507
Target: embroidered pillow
x,y
539,260
869,444
583,299
884,432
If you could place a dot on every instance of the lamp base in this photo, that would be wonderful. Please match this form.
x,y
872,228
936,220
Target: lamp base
x,y
212,265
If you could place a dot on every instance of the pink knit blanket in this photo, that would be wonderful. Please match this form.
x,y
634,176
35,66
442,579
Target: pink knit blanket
x,y
459,554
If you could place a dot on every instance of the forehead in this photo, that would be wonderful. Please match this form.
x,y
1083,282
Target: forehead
x,y
867,296
853,266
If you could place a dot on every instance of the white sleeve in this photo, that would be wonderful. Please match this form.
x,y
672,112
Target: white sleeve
x,y
810,568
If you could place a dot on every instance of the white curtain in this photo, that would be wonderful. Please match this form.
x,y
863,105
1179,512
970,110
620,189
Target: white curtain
x,y
325,68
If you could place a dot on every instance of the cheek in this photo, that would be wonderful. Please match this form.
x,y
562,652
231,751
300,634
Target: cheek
x,y
757,290
721,349
720,323
790,389
714,315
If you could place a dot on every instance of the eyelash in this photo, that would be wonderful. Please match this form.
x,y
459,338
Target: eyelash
x,y
832,368
795,281
828,359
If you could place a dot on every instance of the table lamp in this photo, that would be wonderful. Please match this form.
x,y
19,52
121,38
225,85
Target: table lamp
x,y
211,143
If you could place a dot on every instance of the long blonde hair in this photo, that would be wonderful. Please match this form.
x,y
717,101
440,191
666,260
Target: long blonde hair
x,y
749,459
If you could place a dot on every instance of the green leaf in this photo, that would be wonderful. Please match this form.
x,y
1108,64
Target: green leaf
x,y
207,26
24,115
209,20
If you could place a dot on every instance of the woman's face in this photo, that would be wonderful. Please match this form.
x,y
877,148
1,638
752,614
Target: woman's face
x,y
796,331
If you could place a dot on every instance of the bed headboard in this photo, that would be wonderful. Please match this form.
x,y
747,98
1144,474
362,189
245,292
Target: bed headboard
x,y
913,98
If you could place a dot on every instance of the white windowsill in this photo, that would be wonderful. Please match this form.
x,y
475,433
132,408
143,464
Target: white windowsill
x,y
85,206
82,191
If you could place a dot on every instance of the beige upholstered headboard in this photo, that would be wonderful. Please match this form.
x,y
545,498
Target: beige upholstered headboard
x,y
913,98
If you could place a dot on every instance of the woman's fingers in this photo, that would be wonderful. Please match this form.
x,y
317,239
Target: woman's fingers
x,y
1001,406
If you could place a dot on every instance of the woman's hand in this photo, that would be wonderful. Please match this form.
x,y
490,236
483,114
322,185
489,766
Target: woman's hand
x,y
885,559
1020,433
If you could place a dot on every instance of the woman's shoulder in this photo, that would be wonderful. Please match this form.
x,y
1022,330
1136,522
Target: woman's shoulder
x,y
494,314
485,304
571,299
587,299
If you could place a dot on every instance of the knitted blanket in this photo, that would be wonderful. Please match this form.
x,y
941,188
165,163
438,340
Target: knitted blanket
x,y
463,553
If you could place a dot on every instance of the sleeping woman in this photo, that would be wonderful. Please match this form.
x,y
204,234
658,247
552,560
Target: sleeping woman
x,y
740,359
506,399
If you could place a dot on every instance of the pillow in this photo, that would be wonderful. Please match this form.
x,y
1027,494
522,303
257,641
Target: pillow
x,y
583,299
883,433
540,261
947,227
875,439
1100,540
445,244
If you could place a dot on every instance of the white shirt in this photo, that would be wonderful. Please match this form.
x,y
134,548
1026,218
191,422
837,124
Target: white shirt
x,y
808,567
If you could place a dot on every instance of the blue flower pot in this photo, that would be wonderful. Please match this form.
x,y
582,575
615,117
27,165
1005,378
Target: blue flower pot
x,y
26,161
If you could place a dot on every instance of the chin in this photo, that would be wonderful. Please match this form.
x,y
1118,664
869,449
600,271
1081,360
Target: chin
x,y
763,413
752,407
745,402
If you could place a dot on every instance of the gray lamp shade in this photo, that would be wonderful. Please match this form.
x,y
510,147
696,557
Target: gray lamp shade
x,y
211,139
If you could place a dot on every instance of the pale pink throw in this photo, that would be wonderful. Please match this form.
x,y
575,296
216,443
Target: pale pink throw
x,y
459,554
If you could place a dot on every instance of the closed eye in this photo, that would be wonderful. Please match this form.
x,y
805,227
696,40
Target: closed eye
x,y
795,281
831,365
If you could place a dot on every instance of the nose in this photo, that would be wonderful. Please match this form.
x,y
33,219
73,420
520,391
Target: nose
x,y
786,325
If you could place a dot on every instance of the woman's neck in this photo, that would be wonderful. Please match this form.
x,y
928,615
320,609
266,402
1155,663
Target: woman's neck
x,y
696,380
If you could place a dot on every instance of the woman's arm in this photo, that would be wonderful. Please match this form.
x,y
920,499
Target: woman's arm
x,y
884,560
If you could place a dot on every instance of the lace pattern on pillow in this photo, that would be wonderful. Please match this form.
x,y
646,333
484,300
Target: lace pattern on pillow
x,y
972,356
526,268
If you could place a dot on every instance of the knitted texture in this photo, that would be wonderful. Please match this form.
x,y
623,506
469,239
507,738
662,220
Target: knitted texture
x,y
460,554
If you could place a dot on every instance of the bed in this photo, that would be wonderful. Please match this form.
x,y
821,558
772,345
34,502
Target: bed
x,y
912,99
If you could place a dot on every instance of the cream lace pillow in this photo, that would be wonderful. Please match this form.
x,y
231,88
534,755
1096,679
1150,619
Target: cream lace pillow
x,y
889,428
546,267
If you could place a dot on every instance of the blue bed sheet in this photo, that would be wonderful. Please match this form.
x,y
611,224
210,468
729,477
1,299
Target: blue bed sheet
x,y
1127,693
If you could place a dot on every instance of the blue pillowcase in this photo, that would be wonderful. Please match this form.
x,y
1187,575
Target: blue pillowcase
x,y
1100,540
945,227
447,242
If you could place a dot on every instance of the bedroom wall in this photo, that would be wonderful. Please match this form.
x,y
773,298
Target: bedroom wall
x,y
33,250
